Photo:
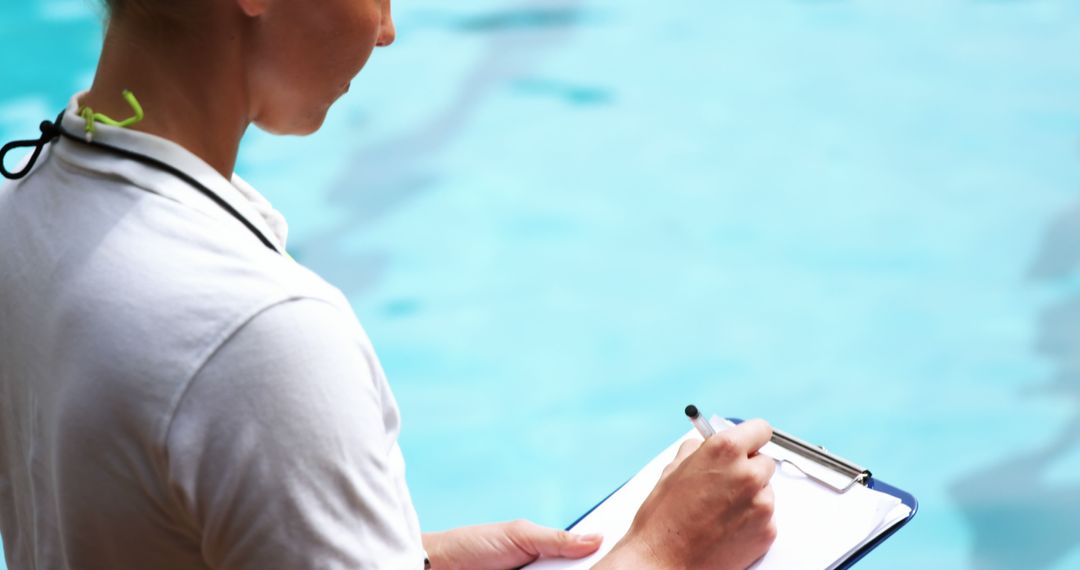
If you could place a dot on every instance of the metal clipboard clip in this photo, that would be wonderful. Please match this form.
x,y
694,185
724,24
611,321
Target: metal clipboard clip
x,y
815,462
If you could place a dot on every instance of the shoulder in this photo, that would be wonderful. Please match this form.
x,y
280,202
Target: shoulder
x,y
296,389
299,354
160,263
132,292
290,420
150,306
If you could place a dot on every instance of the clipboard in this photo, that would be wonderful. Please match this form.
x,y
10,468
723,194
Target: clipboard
x,y
906,498
844,475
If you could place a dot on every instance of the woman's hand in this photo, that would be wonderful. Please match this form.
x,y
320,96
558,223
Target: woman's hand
x,y
711,509
503,546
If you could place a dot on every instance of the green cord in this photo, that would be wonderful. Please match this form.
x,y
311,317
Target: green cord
x,y
91,117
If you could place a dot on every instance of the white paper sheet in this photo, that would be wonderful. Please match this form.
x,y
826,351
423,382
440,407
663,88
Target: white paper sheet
x,y
817,527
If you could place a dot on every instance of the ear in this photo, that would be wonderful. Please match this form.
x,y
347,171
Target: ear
x,y
253,8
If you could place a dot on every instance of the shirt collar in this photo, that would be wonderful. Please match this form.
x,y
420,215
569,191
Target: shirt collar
x,y
251,205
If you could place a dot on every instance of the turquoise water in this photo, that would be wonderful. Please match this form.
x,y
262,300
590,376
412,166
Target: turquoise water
x,y
561,221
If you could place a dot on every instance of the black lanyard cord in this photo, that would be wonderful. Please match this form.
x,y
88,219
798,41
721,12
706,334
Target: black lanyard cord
x,y
50,132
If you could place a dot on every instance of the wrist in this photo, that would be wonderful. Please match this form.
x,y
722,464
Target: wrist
x,y
634,552
432,543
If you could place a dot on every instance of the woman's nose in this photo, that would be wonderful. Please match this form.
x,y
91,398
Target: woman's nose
x,y
387,34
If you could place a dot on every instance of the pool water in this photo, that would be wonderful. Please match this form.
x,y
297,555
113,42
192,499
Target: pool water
x,y
561,221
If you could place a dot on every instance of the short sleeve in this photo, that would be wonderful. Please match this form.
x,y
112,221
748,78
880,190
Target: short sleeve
x,y
279,453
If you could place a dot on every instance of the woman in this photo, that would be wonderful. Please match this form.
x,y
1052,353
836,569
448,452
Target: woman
x,y
175,392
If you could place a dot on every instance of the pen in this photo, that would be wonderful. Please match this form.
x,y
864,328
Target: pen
x,y
699,422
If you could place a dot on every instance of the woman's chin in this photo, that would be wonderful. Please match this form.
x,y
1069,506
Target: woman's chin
x,y
298,125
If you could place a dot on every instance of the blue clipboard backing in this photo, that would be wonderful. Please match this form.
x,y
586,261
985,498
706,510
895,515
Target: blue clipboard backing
x,y
906,498
875,484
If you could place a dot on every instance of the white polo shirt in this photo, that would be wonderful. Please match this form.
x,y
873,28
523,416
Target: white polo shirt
x,y
173,393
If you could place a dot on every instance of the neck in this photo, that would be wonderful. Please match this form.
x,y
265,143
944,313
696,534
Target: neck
x,y
190,86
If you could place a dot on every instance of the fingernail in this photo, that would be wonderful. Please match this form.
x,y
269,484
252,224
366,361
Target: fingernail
x,y
590,537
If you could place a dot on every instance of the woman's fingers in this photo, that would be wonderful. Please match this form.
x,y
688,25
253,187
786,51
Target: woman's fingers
x,y
724,484
763,468
687,448
537,540
750,435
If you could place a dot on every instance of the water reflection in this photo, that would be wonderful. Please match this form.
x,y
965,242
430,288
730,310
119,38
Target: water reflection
x,y
390,173
1019,519
527,16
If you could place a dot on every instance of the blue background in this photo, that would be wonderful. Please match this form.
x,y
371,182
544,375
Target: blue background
x,y
561,221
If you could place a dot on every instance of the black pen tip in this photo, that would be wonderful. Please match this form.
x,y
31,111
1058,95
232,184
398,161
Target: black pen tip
x,y
691,411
